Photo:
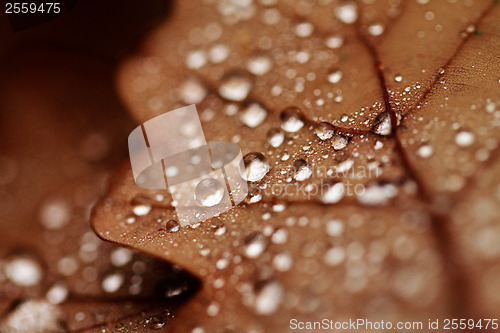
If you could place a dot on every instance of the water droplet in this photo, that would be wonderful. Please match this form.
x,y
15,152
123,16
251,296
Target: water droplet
x,y
325,131
213,309
209,192
112,283
425,151
141,205
34,316
196,59
218,53
23,271
259,64
254,245
280,236
192,91
334,228
302,170
235,87
334,41
377,194
268,297
334,75
275,137
57,293
121,256
382,124
464,138
347,12
253,114
172,226
398,78
256,167
304,29
292,119
333,193
375,29
282,262
339,142
334,256
254,194
55,214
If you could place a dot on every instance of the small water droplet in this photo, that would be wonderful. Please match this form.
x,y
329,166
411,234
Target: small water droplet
x,y
282,262
325,131
347,12
254,245
292,119
256,167
398,78
192,91
279,236
334,41
334,256
253,114
141,205
425,151
375,29
235,86
334,228
259,64
112,282
304,29
333,193
218,53
334,75
172,226
196,59
275,137
57,293
464,138
254,194
209,192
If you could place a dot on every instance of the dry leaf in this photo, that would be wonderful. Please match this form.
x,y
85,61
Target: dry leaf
x,y
410,94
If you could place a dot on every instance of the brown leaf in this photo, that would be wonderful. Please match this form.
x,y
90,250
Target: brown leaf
x,y
413,88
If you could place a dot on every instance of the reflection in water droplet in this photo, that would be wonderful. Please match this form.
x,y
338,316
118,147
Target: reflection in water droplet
x,y
334,75
464,138
256,167
259,64
333,193
347,12
192,91
268,297
141,205
254,194
253,114
292,119
275,137
325,131
302,170
254,245
209,192
172,226
235,87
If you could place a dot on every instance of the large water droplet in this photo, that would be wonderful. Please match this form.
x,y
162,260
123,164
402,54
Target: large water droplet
x,y
34,316
253,114
334,75
172,226
382,124
254,246
292,119
347,12
259,64
339,142
209,192
256,167
235,86
464,138
268,297
302,170
325,131
275,137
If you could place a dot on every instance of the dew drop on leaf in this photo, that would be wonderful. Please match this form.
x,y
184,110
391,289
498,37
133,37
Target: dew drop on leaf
x,y
325,131
235,86
339,142
268,296
254,245
172,226
259,64
275,137
141,205
253,114
347,12
292,119
334,75
209,192
192,91
464,138
302,170
333,193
